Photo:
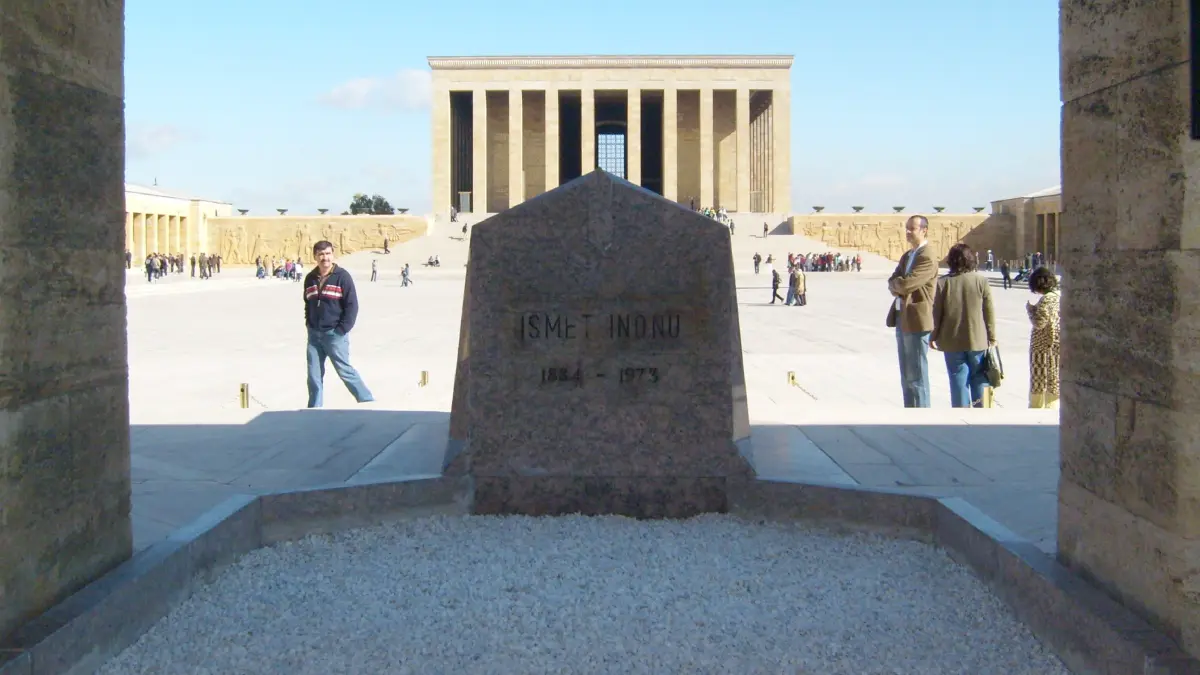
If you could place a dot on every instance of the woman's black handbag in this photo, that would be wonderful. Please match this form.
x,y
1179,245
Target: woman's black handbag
x,y
993,366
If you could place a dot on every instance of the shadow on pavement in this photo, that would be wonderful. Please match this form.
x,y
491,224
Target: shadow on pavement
x,y
180,471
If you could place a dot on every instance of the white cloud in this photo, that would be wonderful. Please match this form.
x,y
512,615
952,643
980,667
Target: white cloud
x,y
408,89
145,141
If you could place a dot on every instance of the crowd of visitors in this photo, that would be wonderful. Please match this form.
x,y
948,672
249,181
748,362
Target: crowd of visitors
x,y
159,265
279,268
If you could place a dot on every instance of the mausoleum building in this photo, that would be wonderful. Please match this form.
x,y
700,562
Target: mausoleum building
x,y
708,131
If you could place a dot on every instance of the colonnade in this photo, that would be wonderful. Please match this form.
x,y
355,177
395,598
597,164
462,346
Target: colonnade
x,y
707,147
147,233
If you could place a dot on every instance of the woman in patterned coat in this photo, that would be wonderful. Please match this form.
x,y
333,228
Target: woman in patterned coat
x,y
1043,340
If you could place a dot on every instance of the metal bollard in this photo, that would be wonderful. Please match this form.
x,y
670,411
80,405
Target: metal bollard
x,y
424,381
244,395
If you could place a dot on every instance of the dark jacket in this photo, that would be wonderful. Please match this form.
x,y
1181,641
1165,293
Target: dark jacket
x,y
333,306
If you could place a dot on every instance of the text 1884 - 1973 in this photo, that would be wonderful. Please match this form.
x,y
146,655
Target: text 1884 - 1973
x,y
576,375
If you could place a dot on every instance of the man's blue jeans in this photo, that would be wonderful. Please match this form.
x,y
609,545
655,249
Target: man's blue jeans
x,y
913,350
967,378
336,347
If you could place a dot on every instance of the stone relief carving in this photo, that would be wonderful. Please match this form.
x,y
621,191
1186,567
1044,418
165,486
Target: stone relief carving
x,y
242,240
885,235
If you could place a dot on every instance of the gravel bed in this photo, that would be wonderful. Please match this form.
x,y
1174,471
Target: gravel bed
x,y
714,594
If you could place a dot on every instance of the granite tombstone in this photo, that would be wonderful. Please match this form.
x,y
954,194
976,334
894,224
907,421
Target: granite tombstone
x,y
600,365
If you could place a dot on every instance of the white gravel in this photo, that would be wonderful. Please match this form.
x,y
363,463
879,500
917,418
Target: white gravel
x,y
713,594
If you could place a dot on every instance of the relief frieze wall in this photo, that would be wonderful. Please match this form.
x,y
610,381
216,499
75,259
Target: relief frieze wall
x,y
240,240
883,233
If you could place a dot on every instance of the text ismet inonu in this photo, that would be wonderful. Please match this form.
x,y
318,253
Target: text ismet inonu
x,y
535,326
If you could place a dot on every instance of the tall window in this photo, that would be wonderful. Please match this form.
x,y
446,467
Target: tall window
x,y
610,152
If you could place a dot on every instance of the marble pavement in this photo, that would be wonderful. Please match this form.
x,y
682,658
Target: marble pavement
x,y
192,343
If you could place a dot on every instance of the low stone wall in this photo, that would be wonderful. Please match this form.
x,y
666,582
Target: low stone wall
x,y
883,233
241,239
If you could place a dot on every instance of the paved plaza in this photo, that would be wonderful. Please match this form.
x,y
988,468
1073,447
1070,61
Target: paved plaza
x,y
192,343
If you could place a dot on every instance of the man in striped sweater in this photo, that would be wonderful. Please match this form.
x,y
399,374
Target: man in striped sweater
x,y
330,310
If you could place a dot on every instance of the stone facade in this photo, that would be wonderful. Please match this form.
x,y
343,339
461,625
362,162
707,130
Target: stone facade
x,y
883,233
159,221
1032,224
506,129
64,384
1129,497
240,240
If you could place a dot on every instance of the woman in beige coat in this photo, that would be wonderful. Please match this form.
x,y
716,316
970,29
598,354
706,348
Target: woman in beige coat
x,y
964,326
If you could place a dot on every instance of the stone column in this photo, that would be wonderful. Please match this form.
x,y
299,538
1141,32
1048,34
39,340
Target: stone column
x,y
743,150
139,236
64,431
633,137
1129,492
151,233
671,144
781,126
440,115
707,165
516,147
552,139
587,140
479,152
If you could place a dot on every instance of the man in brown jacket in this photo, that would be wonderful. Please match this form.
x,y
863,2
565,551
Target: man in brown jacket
x,y
912,286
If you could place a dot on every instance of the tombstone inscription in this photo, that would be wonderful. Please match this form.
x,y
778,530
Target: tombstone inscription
x,y
600,361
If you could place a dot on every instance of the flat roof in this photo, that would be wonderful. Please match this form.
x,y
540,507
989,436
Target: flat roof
x,y
631,61
1047,192
157,192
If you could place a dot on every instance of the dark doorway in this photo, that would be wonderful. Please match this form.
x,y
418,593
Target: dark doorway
x,y
652,141
462,145
570,120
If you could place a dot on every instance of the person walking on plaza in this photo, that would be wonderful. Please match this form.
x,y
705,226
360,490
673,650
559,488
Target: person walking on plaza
x,y
405,276
800,283
330,311
1043,339
1006,274
912,286
964,326
775,281
374,270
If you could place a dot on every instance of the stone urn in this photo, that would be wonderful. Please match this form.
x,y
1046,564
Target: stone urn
x,y
938,209
818,209
897,209
322,211
858,209
243,211
978,209
282,212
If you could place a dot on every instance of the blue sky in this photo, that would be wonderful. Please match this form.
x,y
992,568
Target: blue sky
x,y
299,104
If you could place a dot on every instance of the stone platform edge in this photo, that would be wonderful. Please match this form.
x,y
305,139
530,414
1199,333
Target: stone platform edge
x,y
1088,630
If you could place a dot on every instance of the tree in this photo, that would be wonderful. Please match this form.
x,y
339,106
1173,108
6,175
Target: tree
x,y
374,205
